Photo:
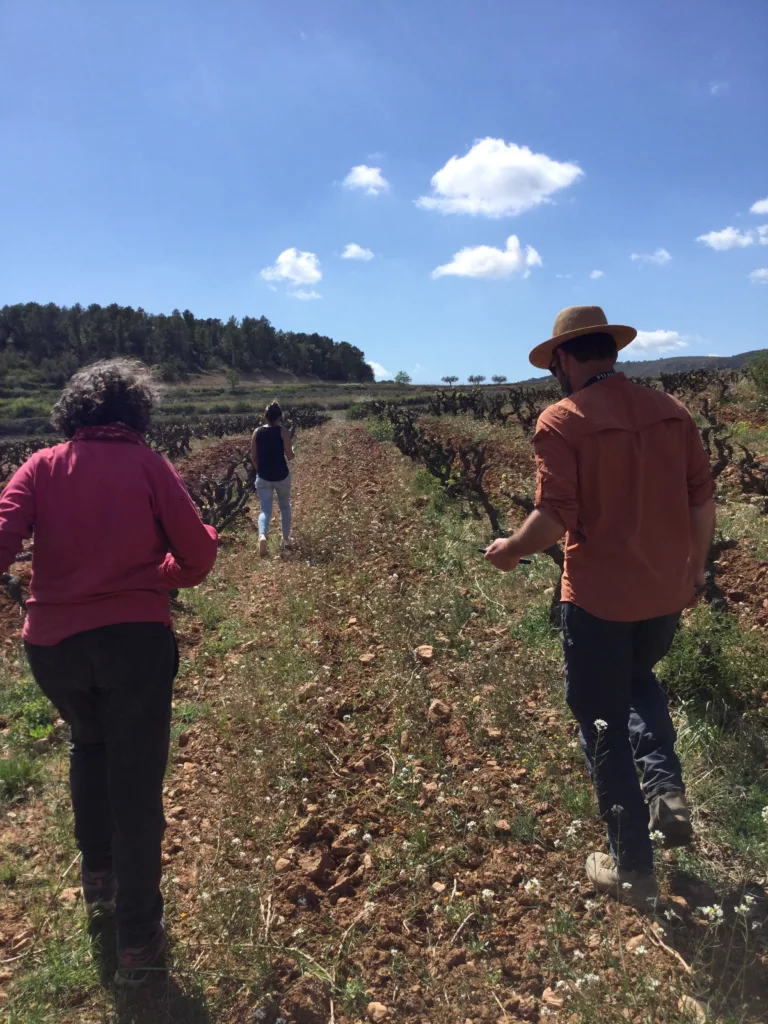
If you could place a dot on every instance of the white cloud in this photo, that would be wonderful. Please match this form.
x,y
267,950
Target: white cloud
x,y
497,179
759,276
368,178
656,341
728,238
596,275
295,267
305,294
378,370
354,251
660,256
761,206
718,88
486,261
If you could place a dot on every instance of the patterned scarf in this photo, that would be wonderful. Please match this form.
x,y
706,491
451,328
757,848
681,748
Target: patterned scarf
x,y
109,432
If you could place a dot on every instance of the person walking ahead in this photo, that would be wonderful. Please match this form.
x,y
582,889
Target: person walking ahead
x,y
114,531
271,452
622,474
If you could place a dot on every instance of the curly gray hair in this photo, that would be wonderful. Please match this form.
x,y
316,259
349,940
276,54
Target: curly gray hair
x,y
111,391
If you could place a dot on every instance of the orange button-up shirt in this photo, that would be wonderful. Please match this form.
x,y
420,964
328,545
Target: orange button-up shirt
x,y
620,465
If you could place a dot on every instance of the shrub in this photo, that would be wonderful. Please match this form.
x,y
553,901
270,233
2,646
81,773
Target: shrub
x,y
714,663
17,773
757,372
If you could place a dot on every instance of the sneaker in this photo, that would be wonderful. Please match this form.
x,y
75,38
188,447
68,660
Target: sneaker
x,y
632,887
671,815
136,965
263,546
99,891
287,543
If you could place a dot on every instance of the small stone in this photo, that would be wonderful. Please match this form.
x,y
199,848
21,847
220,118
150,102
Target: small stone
x,y
308,690
455,958
439,711
694,1008
552,999
317,866
177,812
492,733
439,888
425,654
431,788
378,1012
282,864
404,740
367,659
634,942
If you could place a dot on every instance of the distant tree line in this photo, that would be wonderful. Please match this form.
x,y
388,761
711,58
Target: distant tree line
x,y
55,340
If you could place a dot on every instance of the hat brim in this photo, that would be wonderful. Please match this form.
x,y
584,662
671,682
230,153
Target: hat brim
x,y
541,356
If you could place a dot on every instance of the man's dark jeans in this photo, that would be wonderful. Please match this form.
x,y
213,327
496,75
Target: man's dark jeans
x,y
609,679
113,686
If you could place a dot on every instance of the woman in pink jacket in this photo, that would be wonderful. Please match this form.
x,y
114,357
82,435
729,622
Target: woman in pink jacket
x,y
114,531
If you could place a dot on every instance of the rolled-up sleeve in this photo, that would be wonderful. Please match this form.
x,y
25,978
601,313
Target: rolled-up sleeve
x,y
557,491
192,545
701,486
17,513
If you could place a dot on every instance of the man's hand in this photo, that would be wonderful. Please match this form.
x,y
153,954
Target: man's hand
x,y
502,554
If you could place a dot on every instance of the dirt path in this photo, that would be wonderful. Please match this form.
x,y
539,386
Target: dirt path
x,y
357,829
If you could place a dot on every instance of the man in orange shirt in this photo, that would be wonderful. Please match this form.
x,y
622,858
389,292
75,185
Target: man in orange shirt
x,y
623,476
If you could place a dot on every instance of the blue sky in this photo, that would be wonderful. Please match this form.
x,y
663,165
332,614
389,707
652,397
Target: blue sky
x,y
165,154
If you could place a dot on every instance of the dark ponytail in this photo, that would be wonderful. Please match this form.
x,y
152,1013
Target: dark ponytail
x,y
273,413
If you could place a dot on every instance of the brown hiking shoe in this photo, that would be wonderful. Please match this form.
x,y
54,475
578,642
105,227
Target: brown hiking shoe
x,y
136,965
632,887
671,816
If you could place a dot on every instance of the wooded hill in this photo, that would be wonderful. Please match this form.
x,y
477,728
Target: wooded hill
x,y
682,364
48,343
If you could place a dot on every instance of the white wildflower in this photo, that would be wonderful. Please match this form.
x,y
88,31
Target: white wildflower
x,y
590,904
617,809
640,950
591,979
488,894
532,885
653,984
657,836
471,825
367,838
578,954
626,886
713,913
600,724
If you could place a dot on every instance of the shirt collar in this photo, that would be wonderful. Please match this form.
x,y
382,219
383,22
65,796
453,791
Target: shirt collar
x,y
109,432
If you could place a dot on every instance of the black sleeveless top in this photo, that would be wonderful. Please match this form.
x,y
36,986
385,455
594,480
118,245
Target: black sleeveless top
x,y
270,454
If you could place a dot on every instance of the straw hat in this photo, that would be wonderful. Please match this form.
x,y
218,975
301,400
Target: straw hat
x,y
572,323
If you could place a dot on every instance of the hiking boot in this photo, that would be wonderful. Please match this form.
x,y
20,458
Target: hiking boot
x,y
287,543
632,887
136,965
99,891
263,546
671,816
